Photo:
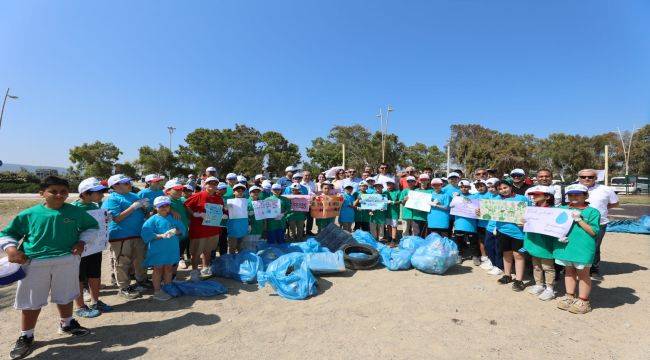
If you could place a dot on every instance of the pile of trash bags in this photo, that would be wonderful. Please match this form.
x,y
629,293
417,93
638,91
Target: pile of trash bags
x,y
436,255
200,288
638,226
290,276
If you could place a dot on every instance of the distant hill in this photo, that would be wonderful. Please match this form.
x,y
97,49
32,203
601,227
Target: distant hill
x,y
30,168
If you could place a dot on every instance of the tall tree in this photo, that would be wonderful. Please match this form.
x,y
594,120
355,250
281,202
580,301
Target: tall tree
x,y
127,168
420,156
157,161
281,153
568,154
96,159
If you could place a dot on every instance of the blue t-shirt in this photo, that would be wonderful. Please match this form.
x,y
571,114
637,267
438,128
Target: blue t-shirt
x,y
130,226
237,228
463,223
347,211
303,190
284,181
450,189
438,218
511,229
151,195
161,251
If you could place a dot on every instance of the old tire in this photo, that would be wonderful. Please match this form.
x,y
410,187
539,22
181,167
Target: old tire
x,y
360,264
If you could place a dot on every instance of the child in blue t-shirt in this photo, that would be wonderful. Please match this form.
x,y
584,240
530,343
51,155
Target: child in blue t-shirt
x,y
152,191
438,217
346,215
465,228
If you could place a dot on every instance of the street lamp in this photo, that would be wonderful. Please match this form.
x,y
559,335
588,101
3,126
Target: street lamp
x,y
383,127
171,131
7,96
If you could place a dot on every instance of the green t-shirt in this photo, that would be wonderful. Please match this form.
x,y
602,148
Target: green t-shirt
x,y
86,206
421,215
257,226
379,216
361,215
581,246
407,214
285,207
49,233
178,205
393,209
230,194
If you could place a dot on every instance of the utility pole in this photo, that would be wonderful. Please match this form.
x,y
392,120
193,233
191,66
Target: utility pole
x,y
4,102
448,156
383,127
343,149
626,153
171,131
607,165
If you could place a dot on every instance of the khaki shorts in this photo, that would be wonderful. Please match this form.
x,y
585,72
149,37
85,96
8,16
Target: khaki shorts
x,y
201,245
57,277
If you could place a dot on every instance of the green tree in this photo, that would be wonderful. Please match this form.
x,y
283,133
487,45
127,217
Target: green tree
x,y
420,156
156,161
96,159
568,154
281,153
127,168
640,152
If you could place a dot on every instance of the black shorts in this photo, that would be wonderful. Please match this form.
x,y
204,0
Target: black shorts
x,y
90,267
509,243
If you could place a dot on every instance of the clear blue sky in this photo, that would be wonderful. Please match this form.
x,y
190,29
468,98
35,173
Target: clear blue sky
x,y
121,71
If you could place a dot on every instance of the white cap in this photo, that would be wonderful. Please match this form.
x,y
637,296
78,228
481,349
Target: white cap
x,y
491,181
209,179
241,178
173,183
518,172
363,182
437,181
189,187
222,186
211,169
294,186
452,174
237,186
289,168
327,182
90,184
253,188
464,183
231,176
259,176
161,201
297,175
575,188
118,179
152,178
540,189
410,178
378,184
424,176
370,178
266,184
276,186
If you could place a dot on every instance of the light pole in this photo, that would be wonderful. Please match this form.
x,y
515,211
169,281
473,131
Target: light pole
x,y
383,127
171,132
7,96
626,153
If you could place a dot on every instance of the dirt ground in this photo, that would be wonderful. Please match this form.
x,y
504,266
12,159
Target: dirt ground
x,y
369,314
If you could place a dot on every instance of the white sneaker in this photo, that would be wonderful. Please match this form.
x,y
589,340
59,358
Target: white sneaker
x,y
87,296
547,294
495,271
486,264
206,272
536,289
194,276
161,296
182,265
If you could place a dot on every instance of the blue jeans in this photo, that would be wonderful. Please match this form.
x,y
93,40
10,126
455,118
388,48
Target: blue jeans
x,y
493,250
275,236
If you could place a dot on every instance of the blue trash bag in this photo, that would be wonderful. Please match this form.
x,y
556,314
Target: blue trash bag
x,y
436,257
364,237
309,246
199,288
631,226
325,262
411,242
395,258
359,256
290,276
270,254
242,266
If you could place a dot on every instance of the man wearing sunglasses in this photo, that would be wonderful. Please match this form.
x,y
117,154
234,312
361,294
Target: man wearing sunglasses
x,y
601,198
480,175
518,184
384,176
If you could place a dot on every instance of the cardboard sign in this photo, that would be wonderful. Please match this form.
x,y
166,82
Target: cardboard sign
x,y
267,209
418,200
372,202
326,206
96,239
237,208
462,206
504,211
547,221
299,202
213,214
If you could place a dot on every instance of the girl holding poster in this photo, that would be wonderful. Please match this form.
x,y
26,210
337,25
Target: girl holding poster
x,y
346,216
438,218
465,229
576,252
237,223
540,247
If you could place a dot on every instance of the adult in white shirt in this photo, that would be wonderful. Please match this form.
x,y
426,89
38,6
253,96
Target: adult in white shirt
x,y
312,190
383,175
545,178
601,198
481,175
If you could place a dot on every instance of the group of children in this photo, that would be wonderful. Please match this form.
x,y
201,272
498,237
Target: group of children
x,y
168,221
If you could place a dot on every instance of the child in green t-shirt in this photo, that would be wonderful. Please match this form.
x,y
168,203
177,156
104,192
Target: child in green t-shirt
x,y
256,227
378,217
412,227
49,253
296,219
361,217
392,214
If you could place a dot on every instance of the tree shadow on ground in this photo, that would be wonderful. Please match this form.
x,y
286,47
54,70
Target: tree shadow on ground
x,y
106,337
619,268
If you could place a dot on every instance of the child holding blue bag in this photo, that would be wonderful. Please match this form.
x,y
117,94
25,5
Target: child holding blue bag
x,y
161,235
438,217
346,216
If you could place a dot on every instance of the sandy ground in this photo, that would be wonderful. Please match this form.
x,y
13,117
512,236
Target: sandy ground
x,y
376,313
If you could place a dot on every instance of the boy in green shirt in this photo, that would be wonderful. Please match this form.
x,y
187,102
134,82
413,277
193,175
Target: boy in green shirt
x,y
50,254
420,217
256,227
361,217
392,215
296,219
277,227
378,217
412,227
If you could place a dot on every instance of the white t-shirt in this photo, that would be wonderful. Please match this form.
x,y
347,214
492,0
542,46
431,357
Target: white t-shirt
x,y
311,186
599,197
382,179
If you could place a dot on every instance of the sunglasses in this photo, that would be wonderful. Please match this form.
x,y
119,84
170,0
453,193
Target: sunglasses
x,y
516,175
588,177
481,173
